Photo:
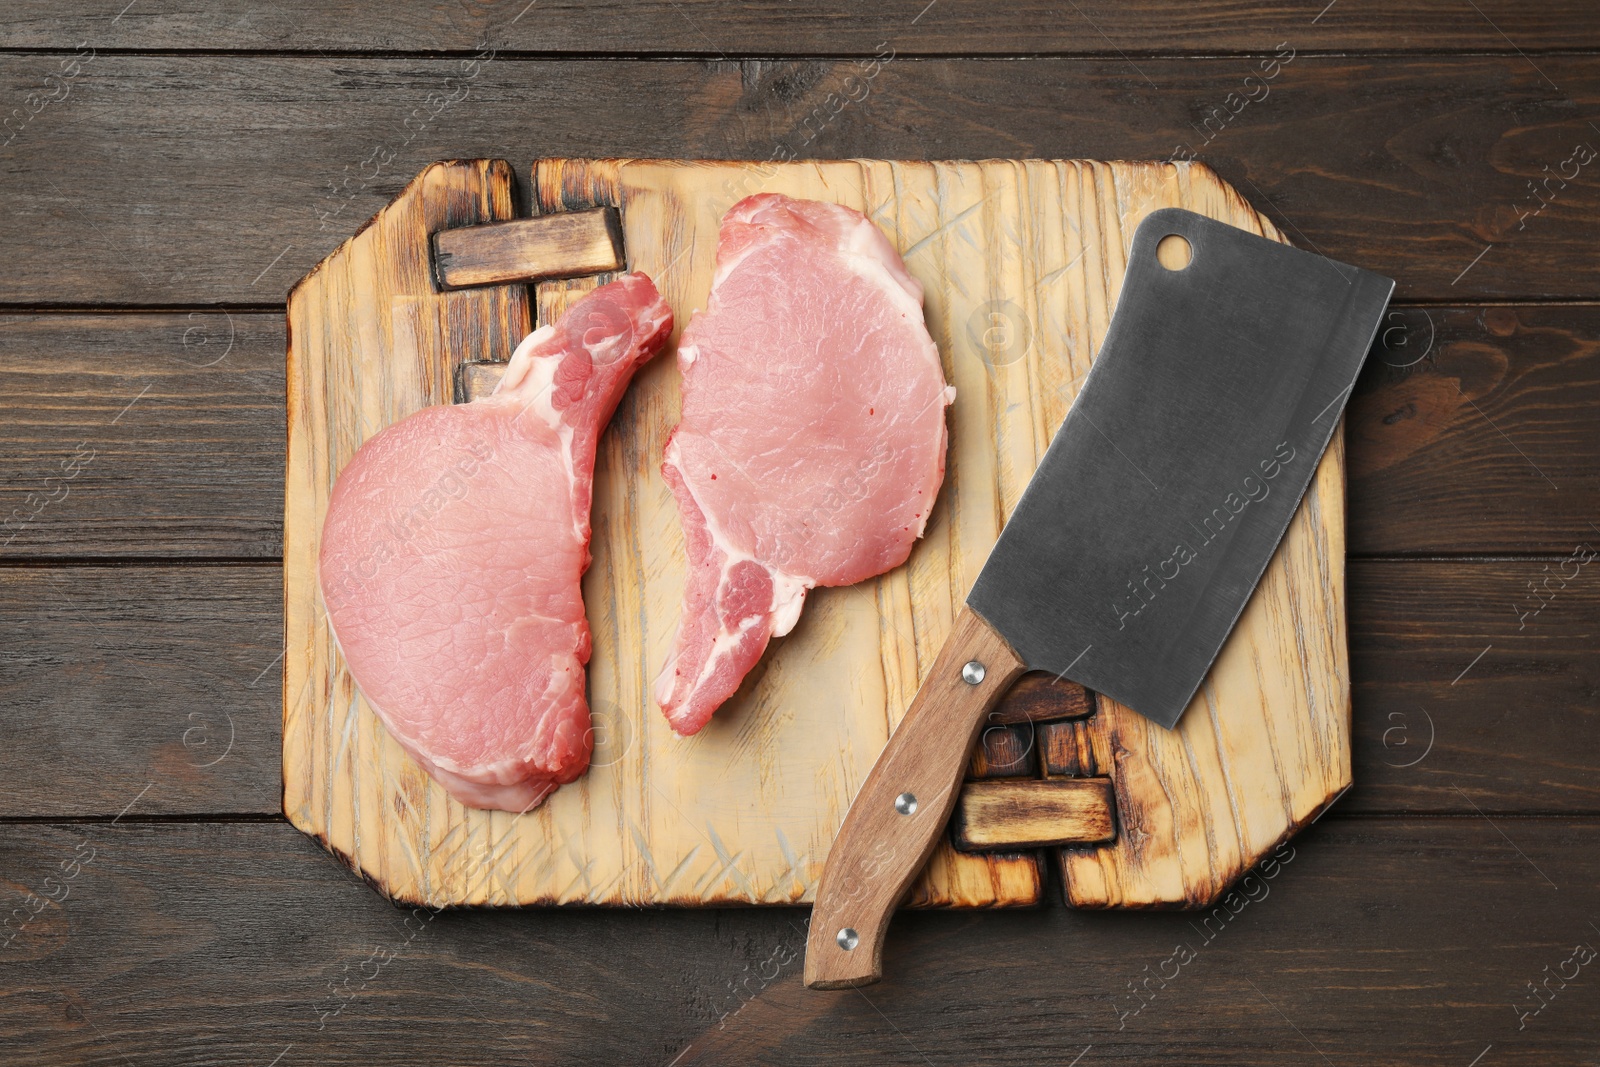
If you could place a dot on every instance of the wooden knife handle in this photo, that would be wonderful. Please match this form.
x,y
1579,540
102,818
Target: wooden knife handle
x,y
896,819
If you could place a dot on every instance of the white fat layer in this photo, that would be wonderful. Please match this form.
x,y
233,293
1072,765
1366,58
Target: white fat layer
x,y
529,378
788,590
862,252
869,266
868,242
788,597
522,359
529,381
723,269
721,648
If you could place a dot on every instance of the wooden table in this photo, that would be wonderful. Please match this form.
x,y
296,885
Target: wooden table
x,y
169,170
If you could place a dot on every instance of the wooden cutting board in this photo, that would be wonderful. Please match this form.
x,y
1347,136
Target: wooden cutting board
x,y
1022,262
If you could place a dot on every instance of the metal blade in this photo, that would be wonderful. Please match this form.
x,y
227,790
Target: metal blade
x,y
1172,479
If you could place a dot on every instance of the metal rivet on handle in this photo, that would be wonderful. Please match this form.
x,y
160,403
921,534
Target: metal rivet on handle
x,y
973,672
847,939
906,803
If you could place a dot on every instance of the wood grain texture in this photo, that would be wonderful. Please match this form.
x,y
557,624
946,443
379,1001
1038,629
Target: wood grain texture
x,y
1041,697
568,245
1505,400
1409,166
88,730
167,180
1067,748
871,646
1017,328
141,435
370,341
772,27
642,827
1389,942
1444,670
1003,751
899,815
474,380
1033,813
195,468
114,678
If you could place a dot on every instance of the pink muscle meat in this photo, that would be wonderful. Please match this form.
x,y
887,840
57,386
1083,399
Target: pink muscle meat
x,y
453,548
812,440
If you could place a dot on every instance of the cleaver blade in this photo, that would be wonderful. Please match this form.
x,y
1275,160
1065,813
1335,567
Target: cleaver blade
x,y
1137,543
1165,492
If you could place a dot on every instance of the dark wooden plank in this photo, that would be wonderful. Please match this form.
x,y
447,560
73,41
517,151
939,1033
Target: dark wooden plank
x,y
1066,748
141,435
563,245
1005,752
113,678
1040,696
250,169
1442,453
1013,737
1471,688
108,663
768,27
1475,430
1367,941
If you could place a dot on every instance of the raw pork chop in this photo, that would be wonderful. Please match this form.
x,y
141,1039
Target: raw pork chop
x,y
812,441
453,548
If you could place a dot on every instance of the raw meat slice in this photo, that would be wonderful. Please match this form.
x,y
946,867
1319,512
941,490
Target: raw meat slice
x,y
812,440
453,548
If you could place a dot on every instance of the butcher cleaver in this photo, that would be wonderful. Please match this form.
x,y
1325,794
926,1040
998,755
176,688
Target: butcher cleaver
x,y
1137,543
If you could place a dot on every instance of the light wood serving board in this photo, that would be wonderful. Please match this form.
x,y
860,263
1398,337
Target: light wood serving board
x,y
1022,262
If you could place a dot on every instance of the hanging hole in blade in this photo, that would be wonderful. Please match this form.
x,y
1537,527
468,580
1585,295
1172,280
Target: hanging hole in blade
x,y
1173,252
